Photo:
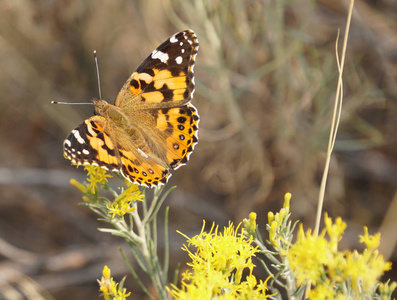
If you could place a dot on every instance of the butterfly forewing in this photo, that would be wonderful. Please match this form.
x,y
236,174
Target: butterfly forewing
x,y
165,76
90,144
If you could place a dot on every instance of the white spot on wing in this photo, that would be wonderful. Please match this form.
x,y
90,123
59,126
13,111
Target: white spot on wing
x,y
78,136
173,39
163,57
86,152
179,60
182,50
67,143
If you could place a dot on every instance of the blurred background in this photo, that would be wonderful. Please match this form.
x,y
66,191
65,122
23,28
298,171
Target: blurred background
x,y
266,78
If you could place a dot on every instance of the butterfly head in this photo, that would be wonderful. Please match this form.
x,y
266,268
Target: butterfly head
x,y
101,106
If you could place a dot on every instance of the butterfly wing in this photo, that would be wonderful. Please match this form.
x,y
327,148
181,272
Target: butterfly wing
x,y
96,142
165,78
162,87
89,144
179,126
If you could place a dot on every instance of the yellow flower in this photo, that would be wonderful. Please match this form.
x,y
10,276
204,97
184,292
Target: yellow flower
x,y
122,204
218,256
84,189
287,198
309,256
132,193
279,231
272,233
96,175
386,289
250,224
262,286
334,231
364,270
119,209
270,217
372,241
322,292
106,272
280,216
109,288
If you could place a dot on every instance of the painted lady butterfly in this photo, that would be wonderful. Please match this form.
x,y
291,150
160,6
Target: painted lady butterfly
x,y
152,126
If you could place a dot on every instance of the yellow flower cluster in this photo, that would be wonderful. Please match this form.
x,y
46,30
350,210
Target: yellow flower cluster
x,y
278,226
316,260
122,204
218,256
95,175
110,289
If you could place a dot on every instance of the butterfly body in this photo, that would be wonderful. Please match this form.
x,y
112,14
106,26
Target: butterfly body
x,y
152,126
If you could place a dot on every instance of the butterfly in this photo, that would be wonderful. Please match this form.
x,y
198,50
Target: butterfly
x,y
152,126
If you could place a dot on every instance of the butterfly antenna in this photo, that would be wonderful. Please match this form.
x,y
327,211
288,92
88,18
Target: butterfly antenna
x,y
99,87
72,103
97,74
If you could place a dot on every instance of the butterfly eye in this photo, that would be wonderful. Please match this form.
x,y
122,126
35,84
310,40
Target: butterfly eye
x,y
100,107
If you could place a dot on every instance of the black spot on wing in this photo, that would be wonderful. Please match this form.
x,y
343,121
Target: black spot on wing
x,y
168,94
165,111
135,83
181,120
144,85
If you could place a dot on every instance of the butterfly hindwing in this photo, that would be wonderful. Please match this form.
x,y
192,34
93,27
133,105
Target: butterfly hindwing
x,y
91,143
180,125
141,169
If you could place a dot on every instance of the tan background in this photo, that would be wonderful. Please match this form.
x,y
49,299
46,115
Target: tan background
x,y
266,78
